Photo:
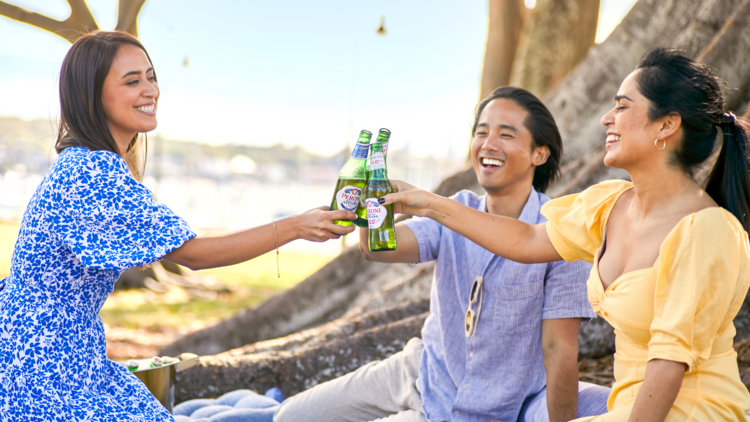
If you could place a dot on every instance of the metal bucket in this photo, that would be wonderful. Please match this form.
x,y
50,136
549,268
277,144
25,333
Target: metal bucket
x,y
160,379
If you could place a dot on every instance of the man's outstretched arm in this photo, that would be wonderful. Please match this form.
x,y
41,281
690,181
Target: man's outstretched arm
x,y
407,249
560,345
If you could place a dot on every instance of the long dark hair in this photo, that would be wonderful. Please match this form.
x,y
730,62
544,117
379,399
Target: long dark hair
x,y
674,83
82,118
540,124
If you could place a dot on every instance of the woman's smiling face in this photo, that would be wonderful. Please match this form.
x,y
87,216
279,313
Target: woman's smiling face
x,y
630,133
130,95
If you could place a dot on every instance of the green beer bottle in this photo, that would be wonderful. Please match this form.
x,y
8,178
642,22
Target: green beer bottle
x,y
383,136
352,179
382,139
379,217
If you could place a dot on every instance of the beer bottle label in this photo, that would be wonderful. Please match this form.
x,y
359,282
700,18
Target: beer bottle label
x,y
377,162
385,149
375,213
360,151
347,198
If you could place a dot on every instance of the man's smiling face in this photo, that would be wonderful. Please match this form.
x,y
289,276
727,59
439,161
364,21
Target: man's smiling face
x,y
501,150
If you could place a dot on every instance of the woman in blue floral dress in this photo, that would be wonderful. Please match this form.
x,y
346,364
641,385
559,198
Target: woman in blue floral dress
x,y
90,220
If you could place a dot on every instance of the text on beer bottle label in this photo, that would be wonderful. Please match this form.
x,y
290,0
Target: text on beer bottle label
x,y
375,213
377,162
360,151
347,198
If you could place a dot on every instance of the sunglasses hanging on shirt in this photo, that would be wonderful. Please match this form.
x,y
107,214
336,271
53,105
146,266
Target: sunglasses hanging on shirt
x,y
474,297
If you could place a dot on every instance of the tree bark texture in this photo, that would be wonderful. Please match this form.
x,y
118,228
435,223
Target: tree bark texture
x,y
558,35
347,346
506,21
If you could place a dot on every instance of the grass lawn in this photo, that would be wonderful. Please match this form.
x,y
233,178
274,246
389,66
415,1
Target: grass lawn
x,y
251,282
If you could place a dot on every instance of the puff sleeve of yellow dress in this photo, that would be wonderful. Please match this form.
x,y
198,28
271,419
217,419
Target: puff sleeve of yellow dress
x,y
576,222
681,309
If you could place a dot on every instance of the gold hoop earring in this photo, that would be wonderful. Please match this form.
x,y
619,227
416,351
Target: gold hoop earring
x,y
656,144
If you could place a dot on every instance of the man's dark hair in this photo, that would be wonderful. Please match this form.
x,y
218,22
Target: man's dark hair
x,y
540,124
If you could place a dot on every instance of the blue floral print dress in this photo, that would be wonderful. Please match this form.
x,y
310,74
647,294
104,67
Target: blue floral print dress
x,y
88,221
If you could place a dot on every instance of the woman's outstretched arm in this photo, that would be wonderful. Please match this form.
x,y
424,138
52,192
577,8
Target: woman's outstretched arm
x,y
504,236
212,251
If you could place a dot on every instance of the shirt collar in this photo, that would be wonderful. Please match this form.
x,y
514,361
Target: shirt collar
x,y
530,212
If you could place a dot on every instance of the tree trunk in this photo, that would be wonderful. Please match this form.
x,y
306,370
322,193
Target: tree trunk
x,y
557,37
303,360
503,33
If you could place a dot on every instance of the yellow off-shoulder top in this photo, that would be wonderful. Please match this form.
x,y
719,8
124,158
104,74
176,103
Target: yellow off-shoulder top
x,y
681,309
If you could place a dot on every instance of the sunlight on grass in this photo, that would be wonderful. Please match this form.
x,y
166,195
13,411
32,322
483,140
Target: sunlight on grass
x,y
261,271
135,312
251,283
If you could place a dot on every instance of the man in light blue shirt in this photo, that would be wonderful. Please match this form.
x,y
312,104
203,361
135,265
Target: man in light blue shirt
x,y
501,342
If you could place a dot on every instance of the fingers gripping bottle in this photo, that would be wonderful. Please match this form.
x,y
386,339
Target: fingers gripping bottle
x,y
352,179
379,217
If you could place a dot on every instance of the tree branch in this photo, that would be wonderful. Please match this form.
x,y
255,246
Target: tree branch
x,y
79,22
503,34
127,15
81,19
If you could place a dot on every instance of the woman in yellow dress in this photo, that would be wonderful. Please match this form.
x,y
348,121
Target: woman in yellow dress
x,y
671,254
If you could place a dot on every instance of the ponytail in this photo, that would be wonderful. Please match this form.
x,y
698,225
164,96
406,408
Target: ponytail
x,y
729,183
675,83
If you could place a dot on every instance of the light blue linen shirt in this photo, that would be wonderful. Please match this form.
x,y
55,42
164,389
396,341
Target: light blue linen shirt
x,y
489,375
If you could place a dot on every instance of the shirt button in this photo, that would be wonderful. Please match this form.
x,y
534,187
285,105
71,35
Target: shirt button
x,y
466,386
455,413
471,355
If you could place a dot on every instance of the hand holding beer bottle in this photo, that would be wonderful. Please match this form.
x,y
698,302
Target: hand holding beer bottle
x,y
410,200
318,224
351,182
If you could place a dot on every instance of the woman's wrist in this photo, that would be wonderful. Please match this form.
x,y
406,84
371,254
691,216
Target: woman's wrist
x,y
288,229
435,208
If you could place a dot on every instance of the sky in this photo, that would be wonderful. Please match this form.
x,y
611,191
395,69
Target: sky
x,y
296,72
